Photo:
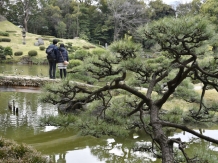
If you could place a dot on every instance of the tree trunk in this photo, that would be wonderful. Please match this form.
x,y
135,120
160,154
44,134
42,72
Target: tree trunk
x,y
160,137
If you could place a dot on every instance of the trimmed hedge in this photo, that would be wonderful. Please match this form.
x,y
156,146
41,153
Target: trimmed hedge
x,y
5,40
18,53
32,53
42,48
11,31
4,33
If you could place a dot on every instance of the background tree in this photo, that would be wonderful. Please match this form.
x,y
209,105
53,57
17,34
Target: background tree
x,y
158,9
192,8
126,15
209,8
3,4
117,105
61,29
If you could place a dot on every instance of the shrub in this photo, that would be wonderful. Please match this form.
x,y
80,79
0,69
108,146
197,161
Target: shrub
x,y
2,57
74,63
42,48
5,40
1,49
76,48
18,53
13,152
98,52
8,51
4,33
69,44
85,47
80,54
32,53
11,32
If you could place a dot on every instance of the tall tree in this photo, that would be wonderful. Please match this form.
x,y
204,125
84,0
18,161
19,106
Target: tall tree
x,y
209,8
3,6
158,10
53,16
126,15
118,106
28,7
192,8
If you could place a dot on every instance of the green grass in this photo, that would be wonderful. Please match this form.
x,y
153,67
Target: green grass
x,y
16,43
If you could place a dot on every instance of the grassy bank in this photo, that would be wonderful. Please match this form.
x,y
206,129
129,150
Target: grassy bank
x,y
16,43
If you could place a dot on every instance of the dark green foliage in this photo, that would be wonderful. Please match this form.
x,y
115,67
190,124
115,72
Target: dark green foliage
x,y
98,51
18,53
32,53
81,54
74,63
4,33
1,49
13,152
69,44
8,51
11,32
42,48
5,40
88,46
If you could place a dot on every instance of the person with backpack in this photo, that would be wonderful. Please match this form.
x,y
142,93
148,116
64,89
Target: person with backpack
x,y
62,60
52,52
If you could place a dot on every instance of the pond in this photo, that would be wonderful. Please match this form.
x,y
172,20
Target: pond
x,y
63,145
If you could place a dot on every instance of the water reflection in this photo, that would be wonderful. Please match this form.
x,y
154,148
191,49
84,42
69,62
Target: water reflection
x,y
64,145
26,70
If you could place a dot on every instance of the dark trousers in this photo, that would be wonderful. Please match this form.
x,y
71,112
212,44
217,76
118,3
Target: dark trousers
x,y
63,71
52,69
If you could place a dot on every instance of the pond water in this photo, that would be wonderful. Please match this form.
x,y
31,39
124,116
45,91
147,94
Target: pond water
x,y
63,145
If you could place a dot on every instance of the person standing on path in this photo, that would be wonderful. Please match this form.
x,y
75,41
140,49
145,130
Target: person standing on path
x,y
62,56
52,60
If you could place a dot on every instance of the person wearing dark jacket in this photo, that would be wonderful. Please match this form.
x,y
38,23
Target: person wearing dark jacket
x,y
52,61
61,57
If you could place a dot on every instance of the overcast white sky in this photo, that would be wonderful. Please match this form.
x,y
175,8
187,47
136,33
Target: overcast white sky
x,y
171,1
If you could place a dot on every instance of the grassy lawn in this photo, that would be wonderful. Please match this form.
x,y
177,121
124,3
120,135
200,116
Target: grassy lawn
x,y
15,34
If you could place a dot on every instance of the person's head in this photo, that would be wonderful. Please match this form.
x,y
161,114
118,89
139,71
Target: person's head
x,y
55,41
62,45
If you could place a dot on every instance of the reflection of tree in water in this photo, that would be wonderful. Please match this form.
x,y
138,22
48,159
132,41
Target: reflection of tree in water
x,y
61,158
121,150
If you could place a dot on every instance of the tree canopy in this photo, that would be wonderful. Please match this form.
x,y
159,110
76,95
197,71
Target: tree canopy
x,y
115,104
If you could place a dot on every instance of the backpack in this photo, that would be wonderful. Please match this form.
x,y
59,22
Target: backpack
x,y
50,54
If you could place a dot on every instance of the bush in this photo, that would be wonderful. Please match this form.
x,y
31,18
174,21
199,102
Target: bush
x,y
42,48
32,53
69,44
18,53
74,63
2,57
1,49
77,48
13,152
8,51
88,46
11,32
81,54
98,52
5,40
4,33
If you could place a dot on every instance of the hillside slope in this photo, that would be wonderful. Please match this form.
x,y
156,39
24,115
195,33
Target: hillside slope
x,y
15,34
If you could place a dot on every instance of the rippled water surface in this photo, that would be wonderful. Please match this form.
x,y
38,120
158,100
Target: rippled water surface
x,y
63,145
